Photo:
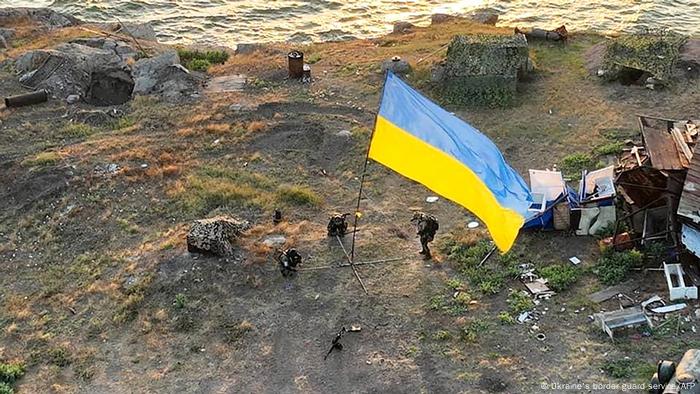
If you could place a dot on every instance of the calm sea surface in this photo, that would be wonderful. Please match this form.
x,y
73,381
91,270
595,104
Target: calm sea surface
x,y
228,22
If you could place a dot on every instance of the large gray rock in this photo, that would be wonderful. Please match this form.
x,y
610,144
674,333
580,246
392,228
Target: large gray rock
x,y
215,235
403,27
141,31
5,36
148,72
44,16
397,65
121,48
100,76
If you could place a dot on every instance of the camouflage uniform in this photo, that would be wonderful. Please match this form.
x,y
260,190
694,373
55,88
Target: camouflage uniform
x,y
426,227
337,226
289,259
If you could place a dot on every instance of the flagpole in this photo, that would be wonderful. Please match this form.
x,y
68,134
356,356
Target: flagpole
x,y
364,171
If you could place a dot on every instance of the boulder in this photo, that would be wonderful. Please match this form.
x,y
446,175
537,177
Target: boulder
x,y
5,36
245,49
100,76
397,65
436,19
403,27
121,48
484,16
215,235
142,31
147,72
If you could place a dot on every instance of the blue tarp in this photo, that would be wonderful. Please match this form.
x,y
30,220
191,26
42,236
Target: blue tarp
x,y
545,220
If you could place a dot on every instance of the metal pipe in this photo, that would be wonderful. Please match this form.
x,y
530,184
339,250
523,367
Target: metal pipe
x,y
30,98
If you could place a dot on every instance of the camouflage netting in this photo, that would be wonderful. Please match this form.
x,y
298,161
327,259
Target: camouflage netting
x,y
656,54
482,70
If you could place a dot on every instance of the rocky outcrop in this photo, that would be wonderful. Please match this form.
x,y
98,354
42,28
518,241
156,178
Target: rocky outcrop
x,y
147,72
44,16
104,71
99,76
6,36
215,235
403,27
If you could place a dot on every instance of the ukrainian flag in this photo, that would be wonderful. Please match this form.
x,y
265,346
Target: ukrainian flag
x,y
421,141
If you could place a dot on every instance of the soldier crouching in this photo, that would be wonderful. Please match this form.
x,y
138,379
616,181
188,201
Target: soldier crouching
x,y
289,259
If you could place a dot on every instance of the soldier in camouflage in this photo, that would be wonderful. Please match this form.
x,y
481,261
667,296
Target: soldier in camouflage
x,y
426,227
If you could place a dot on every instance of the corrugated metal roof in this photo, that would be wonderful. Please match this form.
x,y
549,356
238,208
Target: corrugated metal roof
x,y
660,146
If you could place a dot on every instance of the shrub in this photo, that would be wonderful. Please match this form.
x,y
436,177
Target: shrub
x,y
519,302
59,356
10,373
472,330
6,388
611,148
506,318
575,163
613,267
180,301
201,60
618,368
199,65
442,335
560,276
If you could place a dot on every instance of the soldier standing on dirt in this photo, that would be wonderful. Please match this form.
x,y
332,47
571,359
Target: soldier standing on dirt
x,y
289,259
426,227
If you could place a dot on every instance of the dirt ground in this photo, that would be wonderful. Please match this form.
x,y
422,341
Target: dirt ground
x,y
98,293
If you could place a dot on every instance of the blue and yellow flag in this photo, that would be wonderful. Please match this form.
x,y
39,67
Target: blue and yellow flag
x,y
421,141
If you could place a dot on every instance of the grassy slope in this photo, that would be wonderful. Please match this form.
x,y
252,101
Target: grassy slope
x,y
92,271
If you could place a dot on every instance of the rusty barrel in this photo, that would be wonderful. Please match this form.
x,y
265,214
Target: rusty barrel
x,y
296,64
30,98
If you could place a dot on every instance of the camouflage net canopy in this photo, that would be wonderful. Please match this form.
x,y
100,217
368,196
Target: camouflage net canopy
x,y
482,70
653,53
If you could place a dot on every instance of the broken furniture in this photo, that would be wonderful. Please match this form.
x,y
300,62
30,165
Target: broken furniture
x,y
623,318
596,201
677,287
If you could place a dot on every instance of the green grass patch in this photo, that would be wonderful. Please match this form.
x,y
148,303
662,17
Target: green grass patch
x,y
519,302
201,60
42,159
561,276
212,187
475,328
123,123
313,58
77,130
613,267
298,195
59,356
488,278
506,318
627,368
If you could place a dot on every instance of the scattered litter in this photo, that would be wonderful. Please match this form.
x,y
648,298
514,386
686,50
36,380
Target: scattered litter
x,y
669,308
541,336
524,317
144,165
575,260
432,199
473,225
613,291
652,300
30,98
317,296
355,328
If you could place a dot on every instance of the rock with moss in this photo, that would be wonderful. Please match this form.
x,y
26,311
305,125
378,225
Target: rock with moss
x,y
215,235
482,70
